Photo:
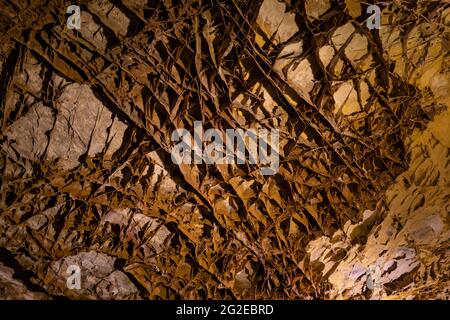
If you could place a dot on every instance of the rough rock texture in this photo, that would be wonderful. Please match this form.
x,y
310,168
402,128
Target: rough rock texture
x,y
358,209
14,289
407,241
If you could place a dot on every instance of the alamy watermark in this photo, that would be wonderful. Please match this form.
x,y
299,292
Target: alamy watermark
x,y
373,278
73,281
74,20
262,147
374,21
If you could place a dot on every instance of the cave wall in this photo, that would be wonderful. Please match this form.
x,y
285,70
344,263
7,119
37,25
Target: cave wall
x,y
358,209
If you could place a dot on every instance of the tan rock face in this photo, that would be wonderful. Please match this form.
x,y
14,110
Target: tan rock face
x,y
14,289
390,253
315,9
275,21
359,208
98,277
